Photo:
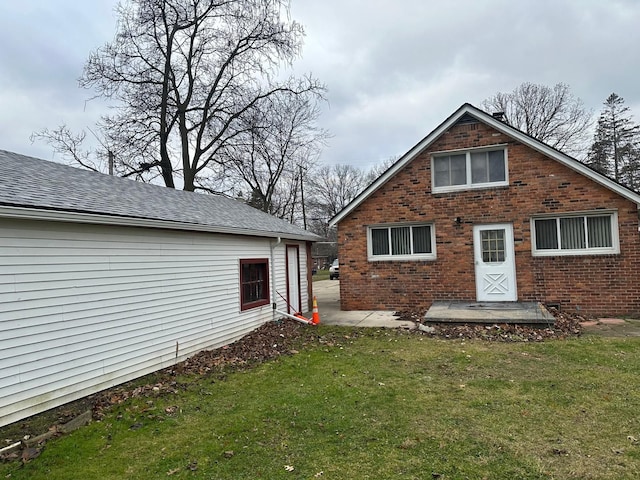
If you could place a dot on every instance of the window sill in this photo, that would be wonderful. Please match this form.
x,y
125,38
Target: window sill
x,y
256,304
575,253
466,187
401,258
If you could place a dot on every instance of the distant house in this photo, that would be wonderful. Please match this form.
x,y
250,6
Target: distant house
x,y
480,211
323,254
104,279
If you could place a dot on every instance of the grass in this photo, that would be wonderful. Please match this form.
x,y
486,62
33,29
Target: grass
x,y
385,405
321,275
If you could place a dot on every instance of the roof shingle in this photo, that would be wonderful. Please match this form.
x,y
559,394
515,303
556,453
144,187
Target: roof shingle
x,y
39,184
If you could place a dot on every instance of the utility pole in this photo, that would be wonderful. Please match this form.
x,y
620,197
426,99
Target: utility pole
x,y
304,214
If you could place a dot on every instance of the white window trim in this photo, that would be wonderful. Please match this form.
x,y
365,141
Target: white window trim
x,y
469,185
615,239
419,256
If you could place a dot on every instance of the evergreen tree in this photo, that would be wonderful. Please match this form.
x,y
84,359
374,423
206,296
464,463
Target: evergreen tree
x,y
600,152
616,143
630,170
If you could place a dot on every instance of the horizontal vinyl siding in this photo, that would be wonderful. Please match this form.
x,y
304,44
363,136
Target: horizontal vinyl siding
x,y
87,307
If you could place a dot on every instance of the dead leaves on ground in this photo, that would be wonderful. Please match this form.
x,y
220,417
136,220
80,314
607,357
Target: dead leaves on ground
x,y
286,337
566,325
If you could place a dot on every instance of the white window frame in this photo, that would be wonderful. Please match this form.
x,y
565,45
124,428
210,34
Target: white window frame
x,y
413,256
615,239
468,185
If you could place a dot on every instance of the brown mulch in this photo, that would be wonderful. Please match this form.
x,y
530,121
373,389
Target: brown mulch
x,y
267,342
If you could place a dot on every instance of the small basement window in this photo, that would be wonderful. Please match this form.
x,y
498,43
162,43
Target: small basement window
x,y
463,170
401,242
585,234
254,283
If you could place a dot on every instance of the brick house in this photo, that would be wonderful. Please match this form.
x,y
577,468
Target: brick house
x,y
480,211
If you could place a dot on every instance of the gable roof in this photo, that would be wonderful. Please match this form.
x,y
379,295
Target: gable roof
x,y
38,189
468,112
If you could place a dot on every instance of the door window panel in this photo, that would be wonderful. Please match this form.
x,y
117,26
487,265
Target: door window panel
x,y
493,246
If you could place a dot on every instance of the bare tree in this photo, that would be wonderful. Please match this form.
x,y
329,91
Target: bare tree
x,y
378,169
331,188
71,145
279,144
552,115
184,74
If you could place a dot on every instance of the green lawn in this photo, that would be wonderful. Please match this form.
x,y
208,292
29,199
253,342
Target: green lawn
x,y
321,275
385,405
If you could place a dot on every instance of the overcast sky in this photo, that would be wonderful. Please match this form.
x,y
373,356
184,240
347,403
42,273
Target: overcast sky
x,y
394,70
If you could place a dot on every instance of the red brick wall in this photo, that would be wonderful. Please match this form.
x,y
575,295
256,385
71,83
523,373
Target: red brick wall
x,y
591,284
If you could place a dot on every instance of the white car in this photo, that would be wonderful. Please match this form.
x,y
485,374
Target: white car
x,y
334,271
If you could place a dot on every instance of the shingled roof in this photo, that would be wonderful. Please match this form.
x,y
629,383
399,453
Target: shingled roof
x,y
35,188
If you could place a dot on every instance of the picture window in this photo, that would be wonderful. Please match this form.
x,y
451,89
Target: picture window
x,y
396,242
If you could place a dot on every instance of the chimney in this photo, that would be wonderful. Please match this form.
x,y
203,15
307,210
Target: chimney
x,y
498,116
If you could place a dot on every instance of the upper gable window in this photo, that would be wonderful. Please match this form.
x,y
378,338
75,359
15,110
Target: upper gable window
x,y
469,169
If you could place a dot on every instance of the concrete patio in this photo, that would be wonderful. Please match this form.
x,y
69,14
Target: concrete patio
x,y
521,313
328,295
524,313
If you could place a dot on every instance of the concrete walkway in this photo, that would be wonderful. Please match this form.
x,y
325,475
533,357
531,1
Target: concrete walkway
x,y
328,295
613,327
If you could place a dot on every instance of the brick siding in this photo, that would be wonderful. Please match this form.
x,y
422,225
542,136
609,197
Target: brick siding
x,y
591,284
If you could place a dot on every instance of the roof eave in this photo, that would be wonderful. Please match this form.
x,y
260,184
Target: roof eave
x,y
395,168
551,152
26,213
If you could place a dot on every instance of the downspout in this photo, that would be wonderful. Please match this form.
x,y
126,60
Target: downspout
x,y
273,277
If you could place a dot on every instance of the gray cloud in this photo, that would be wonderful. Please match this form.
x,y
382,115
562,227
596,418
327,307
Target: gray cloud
x,y
395,73
394,70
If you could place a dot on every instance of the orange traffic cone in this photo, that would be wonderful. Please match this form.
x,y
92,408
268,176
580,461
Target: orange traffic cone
x,y
315,318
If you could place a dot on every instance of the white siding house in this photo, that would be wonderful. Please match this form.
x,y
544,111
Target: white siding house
x,y
103,279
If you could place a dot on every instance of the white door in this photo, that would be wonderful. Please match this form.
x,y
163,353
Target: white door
x,y
495,263
293,279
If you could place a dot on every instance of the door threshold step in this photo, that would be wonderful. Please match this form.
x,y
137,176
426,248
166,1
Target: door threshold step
x,y
461,312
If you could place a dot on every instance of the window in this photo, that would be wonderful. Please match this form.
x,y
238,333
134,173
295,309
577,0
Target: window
x,y
493,246
254,283
472,169
593,233
401,242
